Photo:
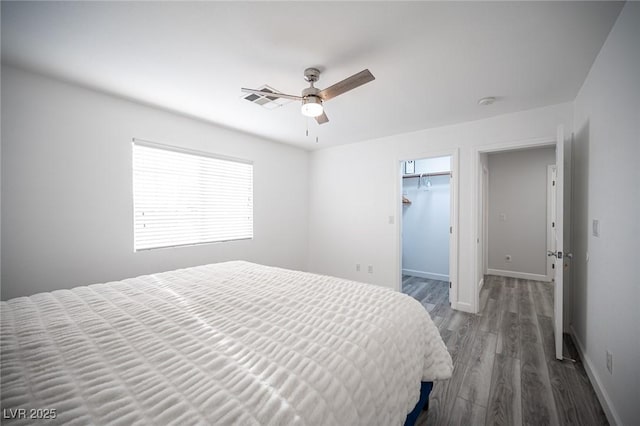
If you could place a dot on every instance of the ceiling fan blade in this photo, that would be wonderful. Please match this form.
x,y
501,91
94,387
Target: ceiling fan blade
x,y
347,84
269,94
322,118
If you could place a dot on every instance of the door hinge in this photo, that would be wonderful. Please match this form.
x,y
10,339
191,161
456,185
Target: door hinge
x,y
451,229
449,284
553,224
554,183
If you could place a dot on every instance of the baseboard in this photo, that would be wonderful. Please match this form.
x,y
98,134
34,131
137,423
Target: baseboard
x,y
428,275
602,395
513,274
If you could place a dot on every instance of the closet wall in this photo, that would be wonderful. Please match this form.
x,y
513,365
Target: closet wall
x,y
425,221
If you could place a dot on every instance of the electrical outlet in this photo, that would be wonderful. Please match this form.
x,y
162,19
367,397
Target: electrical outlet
x,y
610,362
507,258
370,269
357,267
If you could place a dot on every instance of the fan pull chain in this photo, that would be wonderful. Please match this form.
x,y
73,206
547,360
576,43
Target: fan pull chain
x,y
307,131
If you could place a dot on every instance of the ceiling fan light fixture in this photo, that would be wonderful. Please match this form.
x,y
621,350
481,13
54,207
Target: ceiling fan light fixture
x,y
312,106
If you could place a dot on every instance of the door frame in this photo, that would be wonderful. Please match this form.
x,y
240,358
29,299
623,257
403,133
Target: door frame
x,y
551,213
453,211
485,222
478,214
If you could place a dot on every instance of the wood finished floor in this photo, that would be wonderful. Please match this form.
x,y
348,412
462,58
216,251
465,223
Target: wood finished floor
x,y
505,371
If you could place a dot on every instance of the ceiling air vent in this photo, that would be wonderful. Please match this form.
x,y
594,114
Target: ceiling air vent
x,y
268,102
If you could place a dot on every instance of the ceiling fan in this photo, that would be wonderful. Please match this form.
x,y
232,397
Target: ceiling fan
x,y
313,98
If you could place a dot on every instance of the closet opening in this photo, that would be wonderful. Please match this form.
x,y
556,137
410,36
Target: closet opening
x,y
426,231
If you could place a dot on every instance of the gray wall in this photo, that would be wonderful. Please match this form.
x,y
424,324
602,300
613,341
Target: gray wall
x,y
517,210
67,214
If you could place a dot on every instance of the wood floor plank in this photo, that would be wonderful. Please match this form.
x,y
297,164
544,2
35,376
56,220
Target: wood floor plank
x,y
456,319
466,413
529,331
490,316
436,320
588,408
446,312
509,335
484,297
538,407
442,309
428,306
505,399
543,304
461,340
477,380
420,293
525,302
547,334
563,395
511,300
494,289
444,396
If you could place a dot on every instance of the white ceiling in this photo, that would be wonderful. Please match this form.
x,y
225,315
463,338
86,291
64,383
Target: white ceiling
x,y
432,61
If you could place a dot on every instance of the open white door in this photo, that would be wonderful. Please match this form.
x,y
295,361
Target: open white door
x,y
559,244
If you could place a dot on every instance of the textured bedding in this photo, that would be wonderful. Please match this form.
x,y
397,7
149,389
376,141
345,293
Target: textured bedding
x,y
232,343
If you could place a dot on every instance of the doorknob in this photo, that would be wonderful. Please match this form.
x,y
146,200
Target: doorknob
x,y
569,255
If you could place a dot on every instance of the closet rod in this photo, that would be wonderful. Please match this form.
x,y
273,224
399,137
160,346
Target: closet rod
x,y
417,175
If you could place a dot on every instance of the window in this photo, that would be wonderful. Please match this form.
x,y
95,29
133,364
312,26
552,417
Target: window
x,y
183,197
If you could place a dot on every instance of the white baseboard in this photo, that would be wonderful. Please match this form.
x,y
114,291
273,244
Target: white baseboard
x,y
602,395
428,275
513,274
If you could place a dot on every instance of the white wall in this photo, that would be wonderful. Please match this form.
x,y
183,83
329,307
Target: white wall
x,y
517,218
355,194
433,165
425,227
606,294
66,188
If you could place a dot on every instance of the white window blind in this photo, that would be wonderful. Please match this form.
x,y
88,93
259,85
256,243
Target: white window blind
x,y
185,197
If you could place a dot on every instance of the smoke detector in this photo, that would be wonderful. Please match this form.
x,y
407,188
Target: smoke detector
x,y
486,101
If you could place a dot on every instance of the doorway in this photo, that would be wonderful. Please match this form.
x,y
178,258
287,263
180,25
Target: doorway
x,y
516,198
426,229
502,261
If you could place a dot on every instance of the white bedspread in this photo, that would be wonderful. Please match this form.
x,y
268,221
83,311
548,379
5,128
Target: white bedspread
x,y
232,343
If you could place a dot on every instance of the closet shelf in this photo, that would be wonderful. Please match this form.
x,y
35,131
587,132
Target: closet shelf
x,y
417,175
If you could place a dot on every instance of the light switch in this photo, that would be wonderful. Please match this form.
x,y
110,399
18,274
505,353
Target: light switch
x,y
595,228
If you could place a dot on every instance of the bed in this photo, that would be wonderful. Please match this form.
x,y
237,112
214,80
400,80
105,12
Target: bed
x,y
231,343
